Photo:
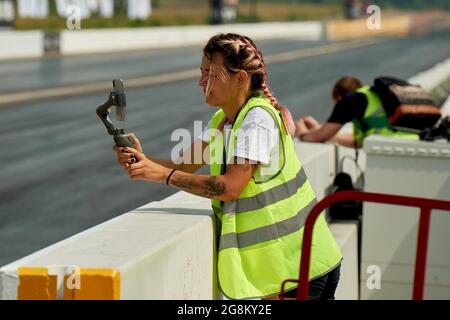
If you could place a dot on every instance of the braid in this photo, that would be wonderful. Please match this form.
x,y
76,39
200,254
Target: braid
x,y
269,94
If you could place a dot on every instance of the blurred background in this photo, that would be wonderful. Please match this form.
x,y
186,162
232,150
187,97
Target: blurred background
x,y
50,14
59,174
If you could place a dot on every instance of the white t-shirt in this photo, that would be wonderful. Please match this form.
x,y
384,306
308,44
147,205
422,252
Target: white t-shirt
x,y
257,139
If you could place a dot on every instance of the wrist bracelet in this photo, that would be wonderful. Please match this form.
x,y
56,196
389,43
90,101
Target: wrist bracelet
x,y
170,174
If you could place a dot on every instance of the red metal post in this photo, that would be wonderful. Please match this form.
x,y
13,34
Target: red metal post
x,y
303,285
421,253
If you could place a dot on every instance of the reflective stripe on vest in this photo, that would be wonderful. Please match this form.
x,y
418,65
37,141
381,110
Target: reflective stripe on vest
x,y
265,198
375,120
267,233
260,232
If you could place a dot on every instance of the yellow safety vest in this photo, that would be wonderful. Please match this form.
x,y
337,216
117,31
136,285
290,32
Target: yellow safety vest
x,y
375,120
260,234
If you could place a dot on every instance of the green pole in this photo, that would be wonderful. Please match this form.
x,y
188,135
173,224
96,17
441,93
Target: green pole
x,y
52,12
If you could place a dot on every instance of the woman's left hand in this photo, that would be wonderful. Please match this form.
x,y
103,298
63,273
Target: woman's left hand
x,y
146,169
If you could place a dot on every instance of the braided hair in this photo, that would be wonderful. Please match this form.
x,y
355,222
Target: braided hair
x,y
241,53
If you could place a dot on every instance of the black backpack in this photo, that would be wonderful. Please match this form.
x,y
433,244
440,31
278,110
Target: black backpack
x,y
406,105
344,210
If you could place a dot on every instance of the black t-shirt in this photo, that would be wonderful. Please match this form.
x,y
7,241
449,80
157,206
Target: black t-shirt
x,y
351,106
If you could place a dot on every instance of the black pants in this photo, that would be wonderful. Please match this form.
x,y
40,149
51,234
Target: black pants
x,y
322,288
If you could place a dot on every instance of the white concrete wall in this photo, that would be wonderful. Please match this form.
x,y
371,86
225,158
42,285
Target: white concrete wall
x,y
319,161
21,44
346,235
433,77
389,235
109,40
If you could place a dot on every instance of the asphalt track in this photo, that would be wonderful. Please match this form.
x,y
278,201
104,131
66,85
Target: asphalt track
x,y
59,174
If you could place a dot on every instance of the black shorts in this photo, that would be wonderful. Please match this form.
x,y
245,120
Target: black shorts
x,y
322,288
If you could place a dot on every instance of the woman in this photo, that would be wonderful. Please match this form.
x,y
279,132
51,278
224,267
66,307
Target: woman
x,y
259,190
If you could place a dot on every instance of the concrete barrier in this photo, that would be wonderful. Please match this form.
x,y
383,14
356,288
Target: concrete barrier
x,y
436,80
346,235
148,253
319,161
433,77
109,40
21,44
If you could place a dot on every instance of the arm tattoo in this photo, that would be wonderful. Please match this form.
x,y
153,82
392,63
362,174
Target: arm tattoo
x,y
204,186
215,186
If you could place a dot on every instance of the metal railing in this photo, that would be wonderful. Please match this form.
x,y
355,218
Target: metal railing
x,y
425,206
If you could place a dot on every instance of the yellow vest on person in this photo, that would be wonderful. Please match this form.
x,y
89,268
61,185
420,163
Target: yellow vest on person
x,y
375,120
260,233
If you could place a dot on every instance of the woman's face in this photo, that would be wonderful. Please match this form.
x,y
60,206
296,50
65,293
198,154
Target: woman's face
x,y
218,86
